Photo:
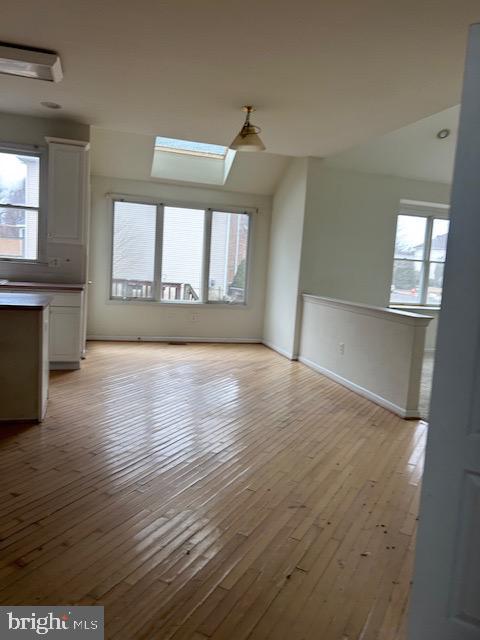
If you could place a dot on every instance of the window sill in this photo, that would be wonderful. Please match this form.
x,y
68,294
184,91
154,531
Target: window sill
x,y
177,304
427,307
22,261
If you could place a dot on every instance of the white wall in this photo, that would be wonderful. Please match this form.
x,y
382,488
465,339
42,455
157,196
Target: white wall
x,y
374,351
432,329
282,299
127,319
349,230
346,247
29,130
349,233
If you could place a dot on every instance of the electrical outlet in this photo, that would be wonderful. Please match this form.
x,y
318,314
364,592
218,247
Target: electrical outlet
x,y
54,262
194,317
341,348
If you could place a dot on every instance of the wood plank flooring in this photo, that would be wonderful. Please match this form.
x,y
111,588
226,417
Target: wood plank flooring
x,y
211,491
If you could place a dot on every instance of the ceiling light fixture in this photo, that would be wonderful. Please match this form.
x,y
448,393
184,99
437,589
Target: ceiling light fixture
x,y
443,133
38,64
248,138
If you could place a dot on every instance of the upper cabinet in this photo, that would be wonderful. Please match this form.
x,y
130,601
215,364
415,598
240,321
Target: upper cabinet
x,y
68,170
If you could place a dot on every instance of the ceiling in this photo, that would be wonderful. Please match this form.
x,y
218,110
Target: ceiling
x,y
413,151
325,75
117,154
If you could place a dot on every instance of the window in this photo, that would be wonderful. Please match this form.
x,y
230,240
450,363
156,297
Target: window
x,y
19,205
178,254
420,252
228,257
182,254
189,147
133,258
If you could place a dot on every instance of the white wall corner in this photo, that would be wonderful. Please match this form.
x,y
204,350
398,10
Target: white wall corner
x,y
291,355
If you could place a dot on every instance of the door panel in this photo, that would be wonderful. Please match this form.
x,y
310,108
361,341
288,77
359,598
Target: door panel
x,y
67,192
64,334
445,601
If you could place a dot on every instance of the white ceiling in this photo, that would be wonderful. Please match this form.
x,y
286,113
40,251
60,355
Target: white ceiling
x,y
325,75
117,154
413,151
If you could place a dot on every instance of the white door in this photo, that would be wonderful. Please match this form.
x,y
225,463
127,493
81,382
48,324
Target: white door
x,y
446,592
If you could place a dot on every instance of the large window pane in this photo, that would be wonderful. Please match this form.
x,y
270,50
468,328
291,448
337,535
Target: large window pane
x,y
410,237
19,185
19,179
133,250
438,247
182,256
18,233
228,257
406,282
435,283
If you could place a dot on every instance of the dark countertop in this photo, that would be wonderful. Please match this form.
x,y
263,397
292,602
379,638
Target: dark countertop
x,y
24,301
40,286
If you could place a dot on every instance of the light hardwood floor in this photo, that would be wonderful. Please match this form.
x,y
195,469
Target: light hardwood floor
x,y
208,491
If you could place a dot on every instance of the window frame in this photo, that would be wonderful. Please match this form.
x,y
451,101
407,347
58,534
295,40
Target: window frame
x,y
40,152
431,213
157,270
190,152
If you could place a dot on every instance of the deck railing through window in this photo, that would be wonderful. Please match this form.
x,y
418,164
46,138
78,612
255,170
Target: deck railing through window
x,y
144,289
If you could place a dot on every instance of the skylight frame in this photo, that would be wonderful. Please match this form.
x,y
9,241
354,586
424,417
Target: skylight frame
x,y
198,149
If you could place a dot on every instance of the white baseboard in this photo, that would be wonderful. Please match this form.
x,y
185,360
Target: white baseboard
x,y
370,395
282,352
173,339
67,366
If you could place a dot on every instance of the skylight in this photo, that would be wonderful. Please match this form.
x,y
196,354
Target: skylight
x,y
188,147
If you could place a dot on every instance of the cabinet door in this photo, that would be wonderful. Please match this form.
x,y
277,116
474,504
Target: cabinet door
x,y
67,192
64,334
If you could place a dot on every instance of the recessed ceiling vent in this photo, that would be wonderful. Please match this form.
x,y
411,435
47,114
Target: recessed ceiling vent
x,y
37,64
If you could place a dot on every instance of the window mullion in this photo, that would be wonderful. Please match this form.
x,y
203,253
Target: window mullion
x,y
207,239
157,269
426,260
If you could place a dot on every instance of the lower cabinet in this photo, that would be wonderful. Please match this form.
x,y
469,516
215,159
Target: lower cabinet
x,y
66,333
65,350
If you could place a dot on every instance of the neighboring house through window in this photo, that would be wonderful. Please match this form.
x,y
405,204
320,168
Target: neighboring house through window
x,y
178,254
419,258
19,204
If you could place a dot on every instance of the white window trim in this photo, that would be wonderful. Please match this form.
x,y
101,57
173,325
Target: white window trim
x,y
430,211
213,155
208,210
39,152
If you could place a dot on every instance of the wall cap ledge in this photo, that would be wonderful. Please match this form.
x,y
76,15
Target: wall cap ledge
x,y
392,315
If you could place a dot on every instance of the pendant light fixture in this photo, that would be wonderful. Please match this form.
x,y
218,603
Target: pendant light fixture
x,y
248,138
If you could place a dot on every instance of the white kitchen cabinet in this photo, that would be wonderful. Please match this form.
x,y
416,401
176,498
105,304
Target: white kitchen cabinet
x,y
66,320
66,339
68,174
65,336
